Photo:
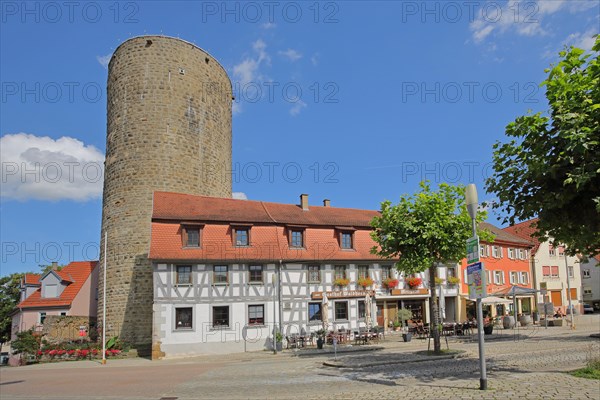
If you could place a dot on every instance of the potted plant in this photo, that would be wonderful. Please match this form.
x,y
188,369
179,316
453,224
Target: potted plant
x,y
403,315
320,338
488,326
365,282
341,282
453,280
279,341
397,325
413,282
389,283
438,281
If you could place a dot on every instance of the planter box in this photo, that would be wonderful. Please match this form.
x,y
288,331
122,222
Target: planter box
x,y
555,322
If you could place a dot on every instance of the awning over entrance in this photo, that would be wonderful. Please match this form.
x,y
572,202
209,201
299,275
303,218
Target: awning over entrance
x,y
516,291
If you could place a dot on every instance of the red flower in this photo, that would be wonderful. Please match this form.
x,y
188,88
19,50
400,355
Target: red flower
x,y
39,353
413,282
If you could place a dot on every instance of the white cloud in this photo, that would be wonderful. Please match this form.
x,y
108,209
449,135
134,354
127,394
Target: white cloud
x,y
104,60
315,59
291,54
297,108
239,196
248,69
269,25
521,18
583,40
42,168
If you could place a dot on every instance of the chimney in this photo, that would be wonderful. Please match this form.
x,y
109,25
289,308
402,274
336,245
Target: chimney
x,y
54,265
304,202
326,203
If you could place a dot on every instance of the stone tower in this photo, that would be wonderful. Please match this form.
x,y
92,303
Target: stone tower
x,y
168,129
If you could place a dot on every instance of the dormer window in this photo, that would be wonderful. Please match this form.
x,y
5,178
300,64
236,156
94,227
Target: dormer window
x,y
190,235
346,240
296,236
241,235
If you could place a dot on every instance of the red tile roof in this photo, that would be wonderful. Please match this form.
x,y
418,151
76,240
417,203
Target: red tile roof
x,y
184,207
32,279
77,272
525,230
501,235
268,235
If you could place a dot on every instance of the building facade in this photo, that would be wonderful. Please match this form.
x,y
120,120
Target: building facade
x,y
226,272
70,291
553,270
168,128
590,281
507,263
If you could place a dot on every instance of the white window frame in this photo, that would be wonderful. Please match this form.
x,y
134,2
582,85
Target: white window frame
x,y
498,277
514,277
497,251
522,254
586,273
524,278
511,253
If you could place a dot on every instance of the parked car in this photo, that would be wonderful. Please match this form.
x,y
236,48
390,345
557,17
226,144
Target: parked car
x,y
588,309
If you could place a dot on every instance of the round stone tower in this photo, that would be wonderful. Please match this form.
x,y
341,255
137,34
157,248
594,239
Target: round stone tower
x,y
168,129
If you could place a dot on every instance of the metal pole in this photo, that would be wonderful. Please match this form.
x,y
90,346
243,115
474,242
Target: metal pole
x,y
569,289
104,302
482,367
274,315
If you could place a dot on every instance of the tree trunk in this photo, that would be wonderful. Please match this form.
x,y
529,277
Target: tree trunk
x,y
434,311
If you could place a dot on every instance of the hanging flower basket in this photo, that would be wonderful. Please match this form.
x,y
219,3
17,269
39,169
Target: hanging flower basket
x,y
413,282
365,282
390,283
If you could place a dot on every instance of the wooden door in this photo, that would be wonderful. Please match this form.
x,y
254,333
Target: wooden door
x,y
556,298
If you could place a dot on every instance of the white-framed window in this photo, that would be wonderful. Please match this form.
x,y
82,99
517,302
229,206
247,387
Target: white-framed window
x,y
571,272
386,272
497,251
511,253
554,271
551,251
183,274
484,250
256,314
514,278
314,273
586,273
587,291
183,318
499,277
561,251
255,273
521,254
524,278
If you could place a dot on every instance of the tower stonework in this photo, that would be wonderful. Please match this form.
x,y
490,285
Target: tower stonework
x,y
168,129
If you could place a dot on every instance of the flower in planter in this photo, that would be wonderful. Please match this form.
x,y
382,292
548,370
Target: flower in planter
x,y
390,283
438,281
365,282
452,280
341,282
413,282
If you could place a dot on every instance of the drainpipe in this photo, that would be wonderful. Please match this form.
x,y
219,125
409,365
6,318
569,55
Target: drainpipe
x,y
279,294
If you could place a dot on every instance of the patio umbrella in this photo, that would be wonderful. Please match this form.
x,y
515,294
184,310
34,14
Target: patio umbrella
x,y
325,312
368,307
495,300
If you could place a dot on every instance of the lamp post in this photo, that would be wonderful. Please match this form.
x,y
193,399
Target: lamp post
x,y
274,315
569,289
472,205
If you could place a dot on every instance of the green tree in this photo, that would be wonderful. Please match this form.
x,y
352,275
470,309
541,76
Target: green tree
x,y
9,298
26,342
551,166
424,230
46,268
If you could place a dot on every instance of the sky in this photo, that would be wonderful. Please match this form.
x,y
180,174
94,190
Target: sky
x,y
352,101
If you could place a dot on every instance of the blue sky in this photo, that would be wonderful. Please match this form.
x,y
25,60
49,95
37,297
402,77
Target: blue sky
x,y
351,101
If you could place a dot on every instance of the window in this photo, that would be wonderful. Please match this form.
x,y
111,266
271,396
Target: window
x,y
546,271
220,274
346,240
490,277
341,310
586,273
340,272
451,272
554,271
63,313
363,271
42,317
241,236
220,317
184,274
497,251
561,251
551,251
314,311
361,309
297,238
256,314
386,272
587,291
514,278
51,291
524,278
314,273
256,273
570,269
483,250
191,236
511,253
183,318
499,277
522,254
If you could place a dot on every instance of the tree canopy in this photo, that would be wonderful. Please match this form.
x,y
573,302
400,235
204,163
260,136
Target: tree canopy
x,y
423,230
9,298
550,168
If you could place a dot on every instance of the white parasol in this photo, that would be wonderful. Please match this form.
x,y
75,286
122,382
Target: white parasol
x,y
325,312
368,307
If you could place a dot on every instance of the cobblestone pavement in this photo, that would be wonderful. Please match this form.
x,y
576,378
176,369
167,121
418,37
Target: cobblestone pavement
x,y
529,365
